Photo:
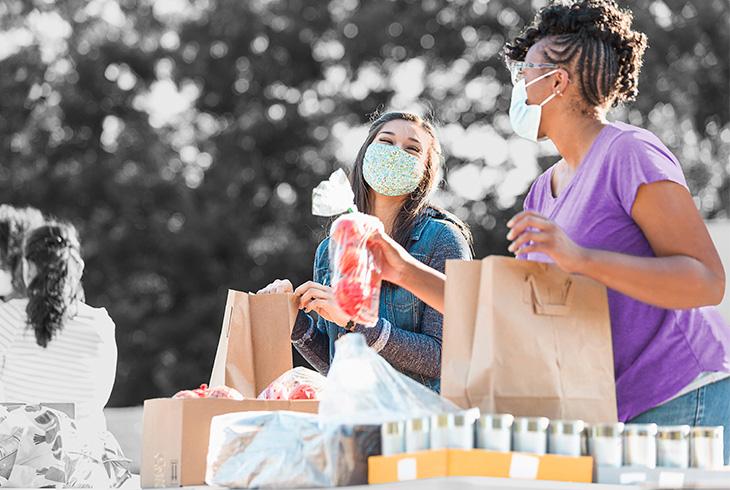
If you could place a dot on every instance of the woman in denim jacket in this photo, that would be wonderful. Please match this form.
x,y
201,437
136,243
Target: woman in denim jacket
x,y
395,174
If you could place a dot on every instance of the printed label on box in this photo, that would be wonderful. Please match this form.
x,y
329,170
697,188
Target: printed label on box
x,y
524,466
407,469
671,479
630,478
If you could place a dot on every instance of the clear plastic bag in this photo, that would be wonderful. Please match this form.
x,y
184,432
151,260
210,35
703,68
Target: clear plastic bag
x,y
296,384
363,389
356,272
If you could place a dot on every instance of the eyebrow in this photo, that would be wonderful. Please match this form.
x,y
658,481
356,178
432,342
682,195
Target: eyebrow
x,y
393,134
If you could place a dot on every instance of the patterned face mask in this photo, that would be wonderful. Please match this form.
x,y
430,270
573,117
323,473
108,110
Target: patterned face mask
x,y
390,170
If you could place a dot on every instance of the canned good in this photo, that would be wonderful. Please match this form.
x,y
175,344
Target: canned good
x,y
417,434
440,430
392,438
606,444
566,437
673,446
640,445
494,432
529,435
461,435
707,447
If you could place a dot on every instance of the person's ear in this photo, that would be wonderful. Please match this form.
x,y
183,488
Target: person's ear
x,y
561,80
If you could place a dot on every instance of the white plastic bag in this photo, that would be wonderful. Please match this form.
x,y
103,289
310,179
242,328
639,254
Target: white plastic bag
x,y
363,389
296,384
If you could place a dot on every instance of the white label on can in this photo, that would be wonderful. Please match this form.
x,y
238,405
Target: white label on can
x,y
524,466
630,478
407,469
671,479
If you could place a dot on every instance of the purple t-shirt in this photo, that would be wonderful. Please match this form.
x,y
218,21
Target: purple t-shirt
x,y
657,352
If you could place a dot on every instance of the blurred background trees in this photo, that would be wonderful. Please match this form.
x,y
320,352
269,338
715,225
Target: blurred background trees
x,y
183,137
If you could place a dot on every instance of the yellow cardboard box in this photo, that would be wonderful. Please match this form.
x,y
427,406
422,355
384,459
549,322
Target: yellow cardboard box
x,y
478,462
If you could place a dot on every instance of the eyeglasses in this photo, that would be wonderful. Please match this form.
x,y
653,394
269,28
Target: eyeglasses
x,y
516,68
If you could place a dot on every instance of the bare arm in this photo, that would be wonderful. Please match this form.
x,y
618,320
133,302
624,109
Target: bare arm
x,y
686,272
403,270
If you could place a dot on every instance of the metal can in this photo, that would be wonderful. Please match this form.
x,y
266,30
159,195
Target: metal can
x,y
392,438
606,444
707,447
529,435
640,445
440,430
461,435
494,432
672,446
417,434
566,437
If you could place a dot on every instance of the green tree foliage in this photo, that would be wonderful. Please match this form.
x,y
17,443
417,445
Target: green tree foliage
x,y
183,137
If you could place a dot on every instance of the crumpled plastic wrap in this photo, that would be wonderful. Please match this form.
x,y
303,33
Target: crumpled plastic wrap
x,y
275,450
362,388
296,384
42,447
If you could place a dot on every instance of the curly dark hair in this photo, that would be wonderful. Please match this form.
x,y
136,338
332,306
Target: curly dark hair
x,y
55,251
15,222
595,40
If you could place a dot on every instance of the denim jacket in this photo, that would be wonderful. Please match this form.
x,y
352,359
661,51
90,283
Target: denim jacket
x,y
408,333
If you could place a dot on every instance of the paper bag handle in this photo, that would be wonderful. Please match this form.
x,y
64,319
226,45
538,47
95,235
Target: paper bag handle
x,y
541,307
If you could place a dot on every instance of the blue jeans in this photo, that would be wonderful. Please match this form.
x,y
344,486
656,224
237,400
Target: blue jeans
x,y
706,406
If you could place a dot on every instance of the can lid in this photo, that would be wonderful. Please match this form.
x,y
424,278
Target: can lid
x,y
673,432
607,430
641,429
531,424
417,424
441,420
393,428
708,432
567,427
496,421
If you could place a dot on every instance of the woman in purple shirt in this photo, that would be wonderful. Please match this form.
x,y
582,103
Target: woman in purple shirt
x,y
615,208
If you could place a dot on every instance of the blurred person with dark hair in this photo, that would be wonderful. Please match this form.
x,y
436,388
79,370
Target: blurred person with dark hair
x,y
55,347
395,174
615,208
15,222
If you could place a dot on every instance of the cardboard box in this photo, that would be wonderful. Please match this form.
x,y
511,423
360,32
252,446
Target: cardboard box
x,y
176,434
254,349
478,462
662,477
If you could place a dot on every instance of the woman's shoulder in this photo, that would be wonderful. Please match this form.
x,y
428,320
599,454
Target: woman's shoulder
x,y
98,317
444,230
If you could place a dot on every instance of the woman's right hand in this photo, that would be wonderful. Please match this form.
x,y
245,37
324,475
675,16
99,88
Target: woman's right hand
x,y
280,286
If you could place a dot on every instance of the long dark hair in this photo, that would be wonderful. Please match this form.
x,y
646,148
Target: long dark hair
x,y
420,199
55,251
595,39
14,224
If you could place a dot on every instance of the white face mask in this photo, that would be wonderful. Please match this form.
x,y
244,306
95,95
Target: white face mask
x,y
525,118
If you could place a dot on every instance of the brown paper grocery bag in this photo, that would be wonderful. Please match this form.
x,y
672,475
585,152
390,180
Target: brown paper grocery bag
x,y
254,347
528,339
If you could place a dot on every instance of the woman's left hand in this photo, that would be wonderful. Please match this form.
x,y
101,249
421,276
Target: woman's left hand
x,y
532,233
314,296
